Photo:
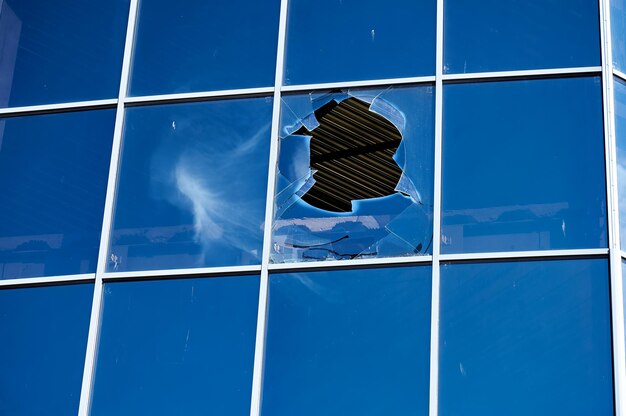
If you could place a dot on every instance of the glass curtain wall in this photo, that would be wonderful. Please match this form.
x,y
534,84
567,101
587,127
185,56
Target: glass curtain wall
x,y
312,207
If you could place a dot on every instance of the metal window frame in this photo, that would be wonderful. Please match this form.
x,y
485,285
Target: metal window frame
x,y
265,268
615,258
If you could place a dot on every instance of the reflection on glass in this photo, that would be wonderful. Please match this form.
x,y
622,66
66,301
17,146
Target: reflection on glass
x,y
53,178
355,175
42,353
350,342
60,51
330,40
523,166
177,347
192,185
196,45
619,88
506,35
624,285
525,338
618,30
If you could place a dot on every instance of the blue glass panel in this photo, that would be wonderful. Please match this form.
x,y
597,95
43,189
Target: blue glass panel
x,y
330,40
53,178
363,189
624,285
505,35
177,347
42,353
529,338
618,29
619,88
195,45
60,51
192,185
350,342
523,166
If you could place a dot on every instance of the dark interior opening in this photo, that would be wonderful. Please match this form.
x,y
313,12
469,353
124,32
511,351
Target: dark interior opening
x,y
352,152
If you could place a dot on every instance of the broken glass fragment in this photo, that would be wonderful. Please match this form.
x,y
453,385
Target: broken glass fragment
x,y
355,175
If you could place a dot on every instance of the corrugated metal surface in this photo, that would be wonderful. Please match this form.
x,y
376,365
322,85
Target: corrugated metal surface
x,y
352,151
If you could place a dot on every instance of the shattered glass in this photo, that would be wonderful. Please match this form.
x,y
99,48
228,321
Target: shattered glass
x,y
355,175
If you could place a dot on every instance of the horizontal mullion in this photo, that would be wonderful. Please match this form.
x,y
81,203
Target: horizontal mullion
x,y
48,280
524,254
619,74
477,76
351,84
326,264
201,271
197,96
57,108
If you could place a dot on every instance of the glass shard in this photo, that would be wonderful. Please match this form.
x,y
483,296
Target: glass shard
x,y
355,175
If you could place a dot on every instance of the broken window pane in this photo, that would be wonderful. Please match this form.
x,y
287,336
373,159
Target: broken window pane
x,y
192,185
523,166
347,40
355,175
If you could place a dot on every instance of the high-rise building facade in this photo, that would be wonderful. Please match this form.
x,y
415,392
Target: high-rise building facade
x,y
296,207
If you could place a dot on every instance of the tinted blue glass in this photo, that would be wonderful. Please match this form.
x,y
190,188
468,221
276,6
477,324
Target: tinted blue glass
x,y
525,339
353,342
53,177
330,40
619,89
505,35
195,45
396,220
42,353
177,347
192,185
618,29
59,51
523,166
624,284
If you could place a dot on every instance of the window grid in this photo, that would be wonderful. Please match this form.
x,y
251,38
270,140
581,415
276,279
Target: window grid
x,y
614,252
615,259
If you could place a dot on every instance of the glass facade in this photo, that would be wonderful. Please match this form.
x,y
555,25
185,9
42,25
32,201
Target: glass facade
x,y
286,207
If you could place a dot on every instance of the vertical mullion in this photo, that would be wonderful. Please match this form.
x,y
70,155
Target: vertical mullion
x,y
259,350
436,282
96,308
615,261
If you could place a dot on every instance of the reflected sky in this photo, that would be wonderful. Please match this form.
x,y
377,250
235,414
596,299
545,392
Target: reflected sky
x,y
42,352
347,40
508,35
393,225
522,338
348,342
195,45
618,30
619,88
523,166
53,178
177,347
192,185
60,51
